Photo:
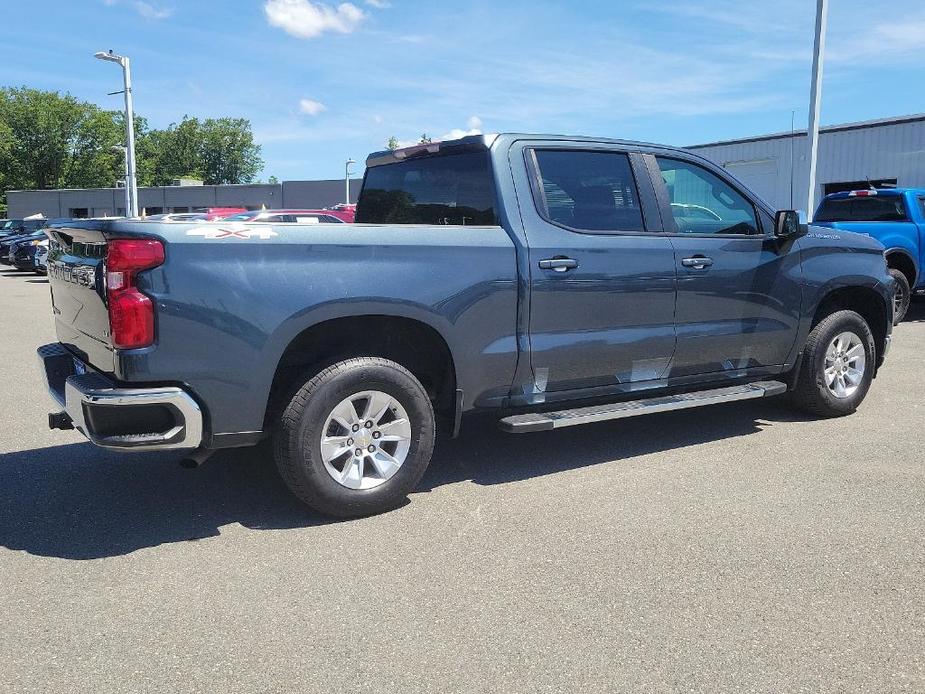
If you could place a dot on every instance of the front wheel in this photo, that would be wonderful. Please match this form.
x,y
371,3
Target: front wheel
x,y
837,367
356,438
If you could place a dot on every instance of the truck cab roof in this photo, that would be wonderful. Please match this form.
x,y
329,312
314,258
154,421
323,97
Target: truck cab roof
x,y
486,141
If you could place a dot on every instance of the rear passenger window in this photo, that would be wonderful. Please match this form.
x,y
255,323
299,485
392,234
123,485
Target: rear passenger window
x,y
587,190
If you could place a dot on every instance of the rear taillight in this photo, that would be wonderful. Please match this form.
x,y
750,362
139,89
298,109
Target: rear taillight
x,y
131,313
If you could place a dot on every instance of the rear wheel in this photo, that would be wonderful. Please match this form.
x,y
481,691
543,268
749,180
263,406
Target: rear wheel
x,y
356,438
837,366
902,297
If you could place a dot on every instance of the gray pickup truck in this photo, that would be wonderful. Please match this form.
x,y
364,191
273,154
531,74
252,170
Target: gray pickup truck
x,y
555,280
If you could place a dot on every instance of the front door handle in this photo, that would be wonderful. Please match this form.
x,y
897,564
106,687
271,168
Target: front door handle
x,y
698,262
558,264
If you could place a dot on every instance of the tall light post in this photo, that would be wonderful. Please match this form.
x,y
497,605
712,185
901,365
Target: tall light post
x,y
131,180
347,180
128,192
815,101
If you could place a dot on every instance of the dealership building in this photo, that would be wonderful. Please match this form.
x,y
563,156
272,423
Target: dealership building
x,y
887,152
185,196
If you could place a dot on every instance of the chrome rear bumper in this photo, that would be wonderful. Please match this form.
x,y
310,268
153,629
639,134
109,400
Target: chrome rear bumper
x,y
112,416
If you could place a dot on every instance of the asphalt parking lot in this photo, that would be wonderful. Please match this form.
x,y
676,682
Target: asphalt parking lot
x,y
741,547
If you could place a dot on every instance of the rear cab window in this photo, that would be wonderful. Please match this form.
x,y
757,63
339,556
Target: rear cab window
x,y
587,190
870,208
445,189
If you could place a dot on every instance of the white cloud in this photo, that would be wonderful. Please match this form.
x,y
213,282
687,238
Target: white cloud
x,y
457,133
474,122
377,118
306,20
151,11
310,107
881,42
148,10
379,4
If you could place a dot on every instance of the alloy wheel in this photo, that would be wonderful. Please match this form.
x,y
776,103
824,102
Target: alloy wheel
x,y
365,439
845,362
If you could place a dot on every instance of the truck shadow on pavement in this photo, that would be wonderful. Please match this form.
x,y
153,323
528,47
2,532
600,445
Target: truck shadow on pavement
x,y
916,312
80,502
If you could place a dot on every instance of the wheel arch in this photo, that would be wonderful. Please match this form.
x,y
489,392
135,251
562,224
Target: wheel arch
x,y
413,343
865,301
900,259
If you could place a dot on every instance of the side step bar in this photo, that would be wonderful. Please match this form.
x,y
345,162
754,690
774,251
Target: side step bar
x,y
543,421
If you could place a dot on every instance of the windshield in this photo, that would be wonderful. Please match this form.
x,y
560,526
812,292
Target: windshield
x,y
875,208
453,189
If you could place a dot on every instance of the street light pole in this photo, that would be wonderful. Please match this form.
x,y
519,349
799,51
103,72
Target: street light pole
x,y
815,101
347,181
131,180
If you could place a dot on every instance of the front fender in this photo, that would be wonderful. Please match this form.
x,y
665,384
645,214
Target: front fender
x,y
834,260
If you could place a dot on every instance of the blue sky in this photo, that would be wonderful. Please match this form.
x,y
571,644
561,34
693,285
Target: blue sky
x,y
321,82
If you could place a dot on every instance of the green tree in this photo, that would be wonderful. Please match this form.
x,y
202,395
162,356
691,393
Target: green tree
x,y
392,144
217,150
228,153
52,141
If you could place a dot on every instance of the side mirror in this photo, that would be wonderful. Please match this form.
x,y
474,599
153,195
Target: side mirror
x,y
787,224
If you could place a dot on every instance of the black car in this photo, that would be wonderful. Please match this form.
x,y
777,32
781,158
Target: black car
x,y
23,253
10,245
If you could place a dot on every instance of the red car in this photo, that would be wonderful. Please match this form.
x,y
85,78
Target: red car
x,y
213,213
347,213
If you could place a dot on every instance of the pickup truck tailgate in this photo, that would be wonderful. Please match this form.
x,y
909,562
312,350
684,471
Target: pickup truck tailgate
x,y
76,273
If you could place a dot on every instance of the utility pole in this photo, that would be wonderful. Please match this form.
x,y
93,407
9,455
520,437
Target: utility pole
x,y
125,185
347,181
815,101
131,180
793,116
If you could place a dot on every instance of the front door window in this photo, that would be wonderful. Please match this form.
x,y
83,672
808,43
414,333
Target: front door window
x,y
703,203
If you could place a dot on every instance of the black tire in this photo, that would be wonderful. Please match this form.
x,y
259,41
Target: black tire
x,y
903,295
811,393
297,439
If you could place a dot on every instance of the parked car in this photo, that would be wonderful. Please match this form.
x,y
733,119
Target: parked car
x,y
179,217
527,275
23,254
7,243
345,212
41,258
18,250
896,218
286,216
12,227
215,213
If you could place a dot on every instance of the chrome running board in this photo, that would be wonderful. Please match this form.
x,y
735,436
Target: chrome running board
x,y
543,421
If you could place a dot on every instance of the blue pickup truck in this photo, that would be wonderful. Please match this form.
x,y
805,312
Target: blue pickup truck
x,y
893,216
555,280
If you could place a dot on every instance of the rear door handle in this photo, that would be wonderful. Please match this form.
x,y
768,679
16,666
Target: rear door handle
x,y
697,262
558,264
